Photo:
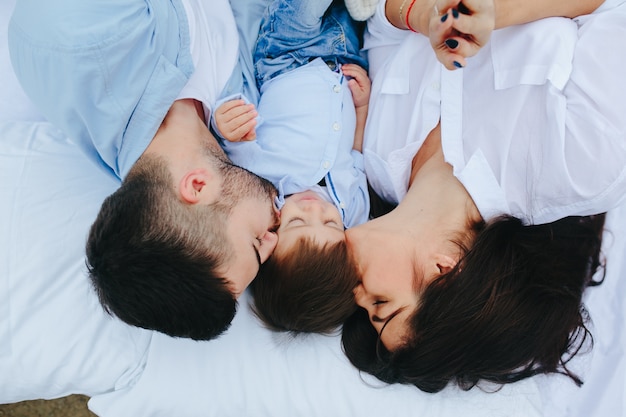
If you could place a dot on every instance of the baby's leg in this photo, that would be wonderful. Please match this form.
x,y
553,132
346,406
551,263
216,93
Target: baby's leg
x,y
288,30
304,17
295,32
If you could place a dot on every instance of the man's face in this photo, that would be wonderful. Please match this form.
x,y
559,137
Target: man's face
x,y
252,224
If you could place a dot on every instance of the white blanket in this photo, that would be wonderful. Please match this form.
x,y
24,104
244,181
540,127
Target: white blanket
x,y
55,339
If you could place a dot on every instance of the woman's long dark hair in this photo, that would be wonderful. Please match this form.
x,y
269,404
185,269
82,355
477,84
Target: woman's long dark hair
x,y
512,308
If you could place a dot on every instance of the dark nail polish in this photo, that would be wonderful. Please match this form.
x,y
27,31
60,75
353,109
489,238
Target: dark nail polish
x,y
444,17
457,64
452,43
455,13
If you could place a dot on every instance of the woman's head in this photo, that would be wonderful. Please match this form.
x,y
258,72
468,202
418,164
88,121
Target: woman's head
x,y
511,308
396,263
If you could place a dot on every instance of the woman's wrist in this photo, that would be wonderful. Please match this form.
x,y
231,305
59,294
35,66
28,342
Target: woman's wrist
x,y
411,15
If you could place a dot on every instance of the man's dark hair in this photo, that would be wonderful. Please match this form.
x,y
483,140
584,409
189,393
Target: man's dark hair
x,y
511,308
307,288
153,259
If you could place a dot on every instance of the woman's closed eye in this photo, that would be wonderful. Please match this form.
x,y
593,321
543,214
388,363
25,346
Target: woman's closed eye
x,y
379,302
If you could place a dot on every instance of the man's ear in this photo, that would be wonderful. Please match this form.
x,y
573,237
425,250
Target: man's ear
x,y
199,186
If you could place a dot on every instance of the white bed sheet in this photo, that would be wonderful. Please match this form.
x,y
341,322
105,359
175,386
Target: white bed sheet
x,y
55,339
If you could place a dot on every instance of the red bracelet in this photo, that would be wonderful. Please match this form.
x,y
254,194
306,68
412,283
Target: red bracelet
x,y
408,13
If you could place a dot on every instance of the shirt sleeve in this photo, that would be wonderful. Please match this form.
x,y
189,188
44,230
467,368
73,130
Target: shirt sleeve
x,y
595,126
360,204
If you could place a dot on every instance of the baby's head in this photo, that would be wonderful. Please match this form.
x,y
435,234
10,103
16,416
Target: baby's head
x,y
307,283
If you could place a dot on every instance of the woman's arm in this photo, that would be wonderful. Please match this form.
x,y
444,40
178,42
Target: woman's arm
x,y
515,12
507,12
459,29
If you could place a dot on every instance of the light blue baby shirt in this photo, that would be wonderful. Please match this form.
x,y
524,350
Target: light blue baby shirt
x,y
306,135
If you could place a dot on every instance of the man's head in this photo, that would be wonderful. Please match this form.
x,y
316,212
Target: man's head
x,y
162,257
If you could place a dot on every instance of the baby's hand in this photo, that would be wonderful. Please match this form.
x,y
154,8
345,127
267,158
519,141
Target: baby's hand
x,y
360,84
236,121
458,29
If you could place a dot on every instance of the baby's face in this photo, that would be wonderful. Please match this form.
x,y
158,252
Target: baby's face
x,y
308,215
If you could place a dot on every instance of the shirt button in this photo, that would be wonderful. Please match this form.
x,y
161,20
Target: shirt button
x,y
436,86
326,164
342,205
336,126
336,89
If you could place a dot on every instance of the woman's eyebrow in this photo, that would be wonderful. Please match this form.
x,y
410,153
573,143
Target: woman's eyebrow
x,y
377,319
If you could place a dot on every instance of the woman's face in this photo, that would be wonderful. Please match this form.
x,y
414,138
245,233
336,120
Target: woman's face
x,y
387,261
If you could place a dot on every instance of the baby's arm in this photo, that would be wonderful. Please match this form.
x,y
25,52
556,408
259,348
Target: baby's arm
x,y
360,86
236,121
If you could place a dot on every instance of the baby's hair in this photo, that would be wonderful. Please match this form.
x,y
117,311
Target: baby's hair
x,y
307,288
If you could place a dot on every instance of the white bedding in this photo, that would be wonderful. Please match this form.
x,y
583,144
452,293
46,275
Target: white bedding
x,y
56,340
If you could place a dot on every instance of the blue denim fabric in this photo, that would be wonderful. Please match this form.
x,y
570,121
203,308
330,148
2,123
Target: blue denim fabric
x,y
293,32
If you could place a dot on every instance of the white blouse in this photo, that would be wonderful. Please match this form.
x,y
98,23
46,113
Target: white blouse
x,y
534,126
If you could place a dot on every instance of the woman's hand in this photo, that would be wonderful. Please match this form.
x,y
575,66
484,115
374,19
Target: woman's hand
x,y
236,121
458,29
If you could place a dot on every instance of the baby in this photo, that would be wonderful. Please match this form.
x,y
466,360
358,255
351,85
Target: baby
x,y
307,141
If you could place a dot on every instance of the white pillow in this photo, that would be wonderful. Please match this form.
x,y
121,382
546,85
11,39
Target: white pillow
x,y
252,372
55,338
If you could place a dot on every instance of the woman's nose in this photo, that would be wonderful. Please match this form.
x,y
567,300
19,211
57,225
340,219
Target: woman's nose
x,y
359,294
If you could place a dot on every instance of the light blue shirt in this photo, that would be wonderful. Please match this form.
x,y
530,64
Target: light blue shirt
x,y
104,71
306,135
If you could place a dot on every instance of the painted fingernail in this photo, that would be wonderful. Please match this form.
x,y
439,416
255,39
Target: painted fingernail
x,y
444,17
455,13
452,43
457,64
